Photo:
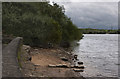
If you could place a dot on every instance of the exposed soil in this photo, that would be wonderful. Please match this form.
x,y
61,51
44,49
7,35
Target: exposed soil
x,y
46,58
35,63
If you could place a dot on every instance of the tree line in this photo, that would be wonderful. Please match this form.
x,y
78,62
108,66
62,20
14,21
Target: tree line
x,y
99,31
40,24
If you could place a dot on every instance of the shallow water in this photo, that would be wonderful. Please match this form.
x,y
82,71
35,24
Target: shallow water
x,y
99,52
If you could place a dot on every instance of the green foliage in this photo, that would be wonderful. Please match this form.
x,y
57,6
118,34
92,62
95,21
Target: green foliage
x,y
39,23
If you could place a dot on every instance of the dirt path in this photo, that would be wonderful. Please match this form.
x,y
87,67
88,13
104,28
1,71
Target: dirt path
x,y
46,58
41,58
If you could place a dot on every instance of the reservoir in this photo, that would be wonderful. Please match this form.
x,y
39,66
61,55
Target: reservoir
x,y
99,52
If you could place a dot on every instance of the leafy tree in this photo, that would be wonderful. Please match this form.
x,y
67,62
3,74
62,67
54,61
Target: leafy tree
x,y
39,23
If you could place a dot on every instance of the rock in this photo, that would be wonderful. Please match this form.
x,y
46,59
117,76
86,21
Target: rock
x,y
36,49
27,50
26,47
42,76
64,59
30,75
73,66
75,56
72,59
30,58
62,65
59,65
68,53
36,65
80,63
50,65
78,70
82,67
36,52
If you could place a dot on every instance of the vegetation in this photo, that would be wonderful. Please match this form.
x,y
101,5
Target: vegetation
x,y
19,55
39,24
99,31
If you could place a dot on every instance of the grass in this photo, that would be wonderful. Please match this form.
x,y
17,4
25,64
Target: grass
x,y
19,59
19,54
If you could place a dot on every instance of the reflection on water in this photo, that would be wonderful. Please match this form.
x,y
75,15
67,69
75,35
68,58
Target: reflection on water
x,y
99,52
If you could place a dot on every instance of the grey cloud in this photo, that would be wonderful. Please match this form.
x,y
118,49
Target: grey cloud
x,y
102,15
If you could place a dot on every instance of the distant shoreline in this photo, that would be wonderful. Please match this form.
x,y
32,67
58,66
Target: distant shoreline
x,y
99,31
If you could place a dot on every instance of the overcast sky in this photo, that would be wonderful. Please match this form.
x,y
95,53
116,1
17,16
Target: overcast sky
x,y
100,15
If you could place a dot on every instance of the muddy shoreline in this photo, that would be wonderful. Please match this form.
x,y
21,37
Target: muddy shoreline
x,y
39,62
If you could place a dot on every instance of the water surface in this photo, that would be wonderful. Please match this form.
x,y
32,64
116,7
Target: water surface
x,y
99,52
